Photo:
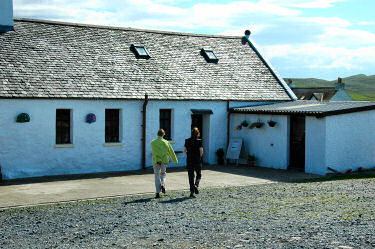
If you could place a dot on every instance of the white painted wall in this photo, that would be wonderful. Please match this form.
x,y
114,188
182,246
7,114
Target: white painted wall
x,y
269,144
342,142
350,140
315,145
28,149
217,123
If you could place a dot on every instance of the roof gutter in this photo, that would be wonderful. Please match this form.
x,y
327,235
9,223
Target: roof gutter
x,y
270,67
317,114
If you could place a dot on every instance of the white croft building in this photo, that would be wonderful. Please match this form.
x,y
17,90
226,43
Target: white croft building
x,y
58,73
310,135
55,78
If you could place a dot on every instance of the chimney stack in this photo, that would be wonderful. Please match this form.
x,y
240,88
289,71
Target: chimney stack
x,y
339,85
6,15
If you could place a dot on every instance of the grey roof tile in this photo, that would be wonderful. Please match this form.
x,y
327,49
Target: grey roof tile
x,y
308,108
59,60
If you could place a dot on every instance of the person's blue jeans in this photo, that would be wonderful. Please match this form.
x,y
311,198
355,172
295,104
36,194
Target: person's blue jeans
x,y
160,175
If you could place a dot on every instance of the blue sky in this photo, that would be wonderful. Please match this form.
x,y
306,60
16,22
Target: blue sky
x,y
301,38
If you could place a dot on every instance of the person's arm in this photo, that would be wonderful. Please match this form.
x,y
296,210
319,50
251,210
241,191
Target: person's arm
x,y
171,153
200,148
185,150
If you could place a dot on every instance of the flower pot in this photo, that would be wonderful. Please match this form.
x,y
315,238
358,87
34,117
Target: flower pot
x,y
271,123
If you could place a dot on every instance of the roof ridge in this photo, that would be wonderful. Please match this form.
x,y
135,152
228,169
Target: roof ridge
x,y
83,25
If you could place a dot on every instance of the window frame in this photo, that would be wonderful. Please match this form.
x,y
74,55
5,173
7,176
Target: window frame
x,y
60,130
112,124
168,120
134,48
205,53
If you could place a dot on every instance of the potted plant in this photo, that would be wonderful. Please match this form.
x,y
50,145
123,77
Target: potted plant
x,y
220,156
251,159
244,123
239,127
258,124
271,123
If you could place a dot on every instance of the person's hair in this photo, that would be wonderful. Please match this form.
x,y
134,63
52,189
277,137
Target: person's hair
x,y
161,133
195,132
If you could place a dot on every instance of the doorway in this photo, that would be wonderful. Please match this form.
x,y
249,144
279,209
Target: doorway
x,y
202,122
197,121
297,143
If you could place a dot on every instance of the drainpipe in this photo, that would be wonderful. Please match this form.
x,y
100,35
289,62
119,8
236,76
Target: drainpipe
x,y
144,132
228,123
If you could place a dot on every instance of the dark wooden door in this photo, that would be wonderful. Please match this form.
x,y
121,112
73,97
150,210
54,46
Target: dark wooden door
x,y
197,121
297,143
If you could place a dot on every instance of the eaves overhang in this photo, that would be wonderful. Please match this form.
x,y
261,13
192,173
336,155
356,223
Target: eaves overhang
x,y
326,110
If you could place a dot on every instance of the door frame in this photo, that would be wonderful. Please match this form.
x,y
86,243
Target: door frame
x,y
297,154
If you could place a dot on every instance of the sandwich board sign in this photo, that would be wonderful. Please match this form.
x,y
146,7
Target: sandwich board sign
x,y
234,149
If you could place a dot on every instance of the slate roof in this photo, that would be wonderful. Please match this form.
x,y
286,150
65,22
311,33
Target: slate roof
x,y
307,93
45,59
308,108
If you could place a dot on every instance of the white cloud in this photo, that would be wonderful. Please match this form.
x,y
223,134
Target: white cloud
x,y
366,23
318,56
305,3
340,36
327,21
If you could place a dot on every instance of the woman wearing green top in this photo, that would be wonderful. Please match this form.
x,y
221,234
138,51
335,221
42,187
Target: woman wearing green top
x,y
161,150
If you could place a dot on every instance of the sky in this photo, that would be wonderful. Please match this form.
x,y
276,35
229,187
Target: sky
x,y
322,39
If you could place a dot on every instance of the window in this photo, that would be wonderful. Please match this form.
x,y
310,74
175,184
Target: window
x,y
209,55
112,125
63,134
140,51
165,122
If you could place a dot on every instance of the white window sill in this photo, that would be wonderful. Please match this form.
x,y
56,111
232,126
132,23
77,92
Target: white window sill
x,y
112,144
64,146
171,141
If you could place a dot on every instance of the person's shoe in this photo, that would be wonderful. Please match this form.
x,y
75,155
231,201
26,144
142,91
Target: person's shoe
x,y
157,196
162,189
196,191
192,195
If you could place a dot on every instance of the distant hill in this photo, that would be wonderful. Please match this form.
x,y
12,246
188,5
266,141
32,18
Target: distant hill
x,y
359,87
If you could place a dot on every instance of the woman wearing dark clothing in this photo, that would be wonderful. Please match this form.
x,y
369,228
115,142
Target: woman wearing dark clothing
x,y
194,152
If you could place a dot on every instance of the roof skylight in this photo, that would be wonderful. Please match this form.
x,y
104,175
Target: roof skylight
x,y
140,51
209,55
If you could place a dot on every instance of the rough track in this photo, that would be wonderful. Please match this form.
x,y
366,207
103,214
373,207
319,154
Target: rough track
x,y
335,214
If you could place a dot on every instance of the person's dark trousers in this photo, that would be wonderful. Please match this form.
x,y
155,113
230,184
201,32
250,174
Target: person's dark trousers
x,y
197,168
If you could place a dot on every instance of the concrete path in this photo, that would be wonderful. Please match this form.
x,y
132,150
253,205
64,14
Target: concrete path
x,y
71,188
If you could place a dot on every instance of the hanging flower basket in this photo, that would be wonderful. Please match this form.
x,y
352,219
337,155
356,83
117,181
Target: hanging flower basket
x,y
258,124
239,127
90,118
271,123
23,118
245,123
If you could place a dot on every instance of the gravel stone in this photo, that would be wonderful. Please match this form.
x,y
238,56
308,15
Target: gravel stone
x,y
333,214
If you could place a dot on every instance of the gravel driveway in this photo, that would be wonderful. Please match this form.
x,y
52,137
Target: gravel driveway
x,y
334,214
